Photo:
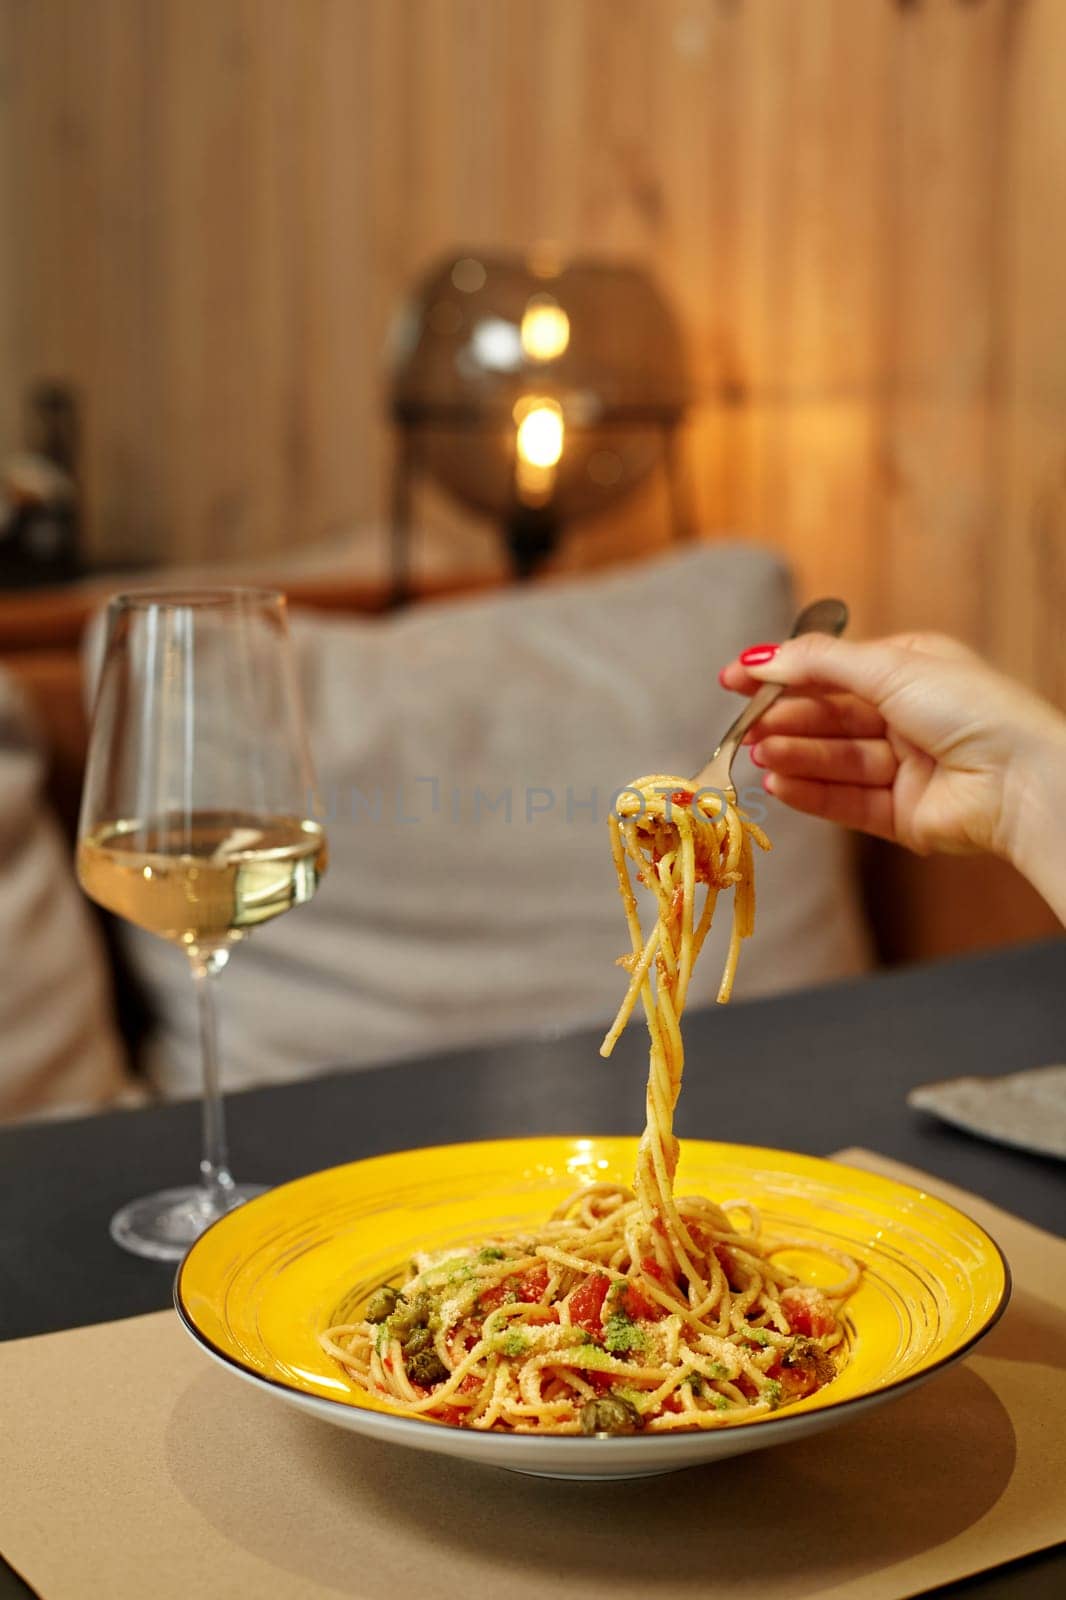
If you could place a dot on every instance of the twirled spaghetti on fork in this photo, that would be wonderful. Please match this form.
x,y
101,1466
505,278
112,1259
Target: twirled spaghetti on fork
x,y
630,1308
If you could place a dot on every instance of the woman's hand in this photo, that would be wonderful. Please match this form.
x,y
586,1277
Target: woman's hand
x,y
916,739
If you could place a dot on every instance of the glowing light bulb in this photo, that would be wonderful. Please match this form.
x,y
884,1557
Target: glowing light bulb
x,y
539,437
545,329
541,432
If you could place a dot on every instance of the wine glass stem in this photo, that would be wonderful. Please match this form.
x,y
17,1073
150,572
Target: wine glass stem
x,y
214,1161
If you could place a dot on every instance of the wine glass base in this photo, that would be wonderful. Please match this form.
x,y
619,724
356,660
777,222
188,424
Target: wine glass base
x,y
162,1226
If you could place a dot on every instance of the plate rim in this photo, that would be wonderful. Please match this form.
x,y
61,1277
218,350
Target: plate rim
x,y
421,1428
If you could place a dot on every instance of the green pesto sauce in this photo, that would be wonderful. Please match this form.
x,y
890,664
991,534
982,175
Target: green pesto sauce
x,y
622,1334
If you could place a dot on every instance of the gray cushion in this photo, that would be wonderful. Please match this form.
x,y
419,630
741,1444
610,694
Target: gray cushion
x,y
468,923
61,1050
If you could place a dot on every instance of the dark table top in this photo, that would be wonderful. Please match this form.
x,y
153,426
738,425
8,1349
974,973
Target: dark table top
x,y
813,1071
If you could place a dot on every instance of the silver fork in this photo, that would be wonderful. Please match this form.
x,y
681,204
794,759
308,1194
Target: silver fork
x,y
821,616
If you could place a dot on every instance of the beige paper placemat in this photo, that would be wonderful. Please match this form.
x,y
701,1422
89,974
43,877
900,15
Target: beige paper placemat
x,y
130,1466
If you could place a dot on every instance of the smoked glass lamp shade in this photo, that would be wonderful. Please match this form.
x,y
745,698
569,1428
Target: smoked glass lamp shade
x,y
538,391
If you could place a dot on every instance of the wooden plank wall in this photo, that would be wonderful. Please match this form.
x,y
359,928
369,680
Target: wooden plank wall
x,y
209,210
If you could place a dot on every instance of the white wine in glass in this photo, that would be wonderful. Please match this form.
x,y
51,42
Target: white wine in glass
x,y
197,822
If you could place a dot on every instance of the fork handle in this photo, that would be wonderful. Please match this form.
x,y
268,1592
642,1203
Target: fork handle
x,y
821,616
757,706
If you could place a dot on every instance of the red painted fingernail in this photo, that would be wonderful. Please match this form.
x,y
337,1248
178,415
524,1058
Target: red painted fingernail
x,y
768,782
758,655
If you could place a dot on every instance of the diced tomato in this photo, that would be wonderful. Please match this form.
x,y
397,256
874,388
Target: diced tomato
x,y
454,1415
471,1384
649,1265
638,1306
808,1311
532,1284
801,1369
602,1382
682,797
796,1382
586,1303
673,1402
528,1288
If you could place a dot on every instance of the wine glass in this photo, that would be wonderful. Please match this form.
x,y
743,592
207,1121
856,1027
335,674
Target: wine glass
x,y
197,822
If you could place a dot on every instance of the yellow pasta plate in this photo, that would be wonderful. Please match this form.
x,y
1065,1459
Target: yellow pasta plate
x,y
260,1285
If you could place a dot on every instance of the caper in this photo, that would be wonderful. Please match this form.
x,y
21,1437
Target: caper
x,y
414,1313
417,1340
382,1303
609,1414
426,1368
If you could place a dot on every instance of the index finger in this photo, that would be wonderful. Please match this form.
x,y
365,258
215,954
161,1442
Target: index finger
x,y
828,716
738,678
